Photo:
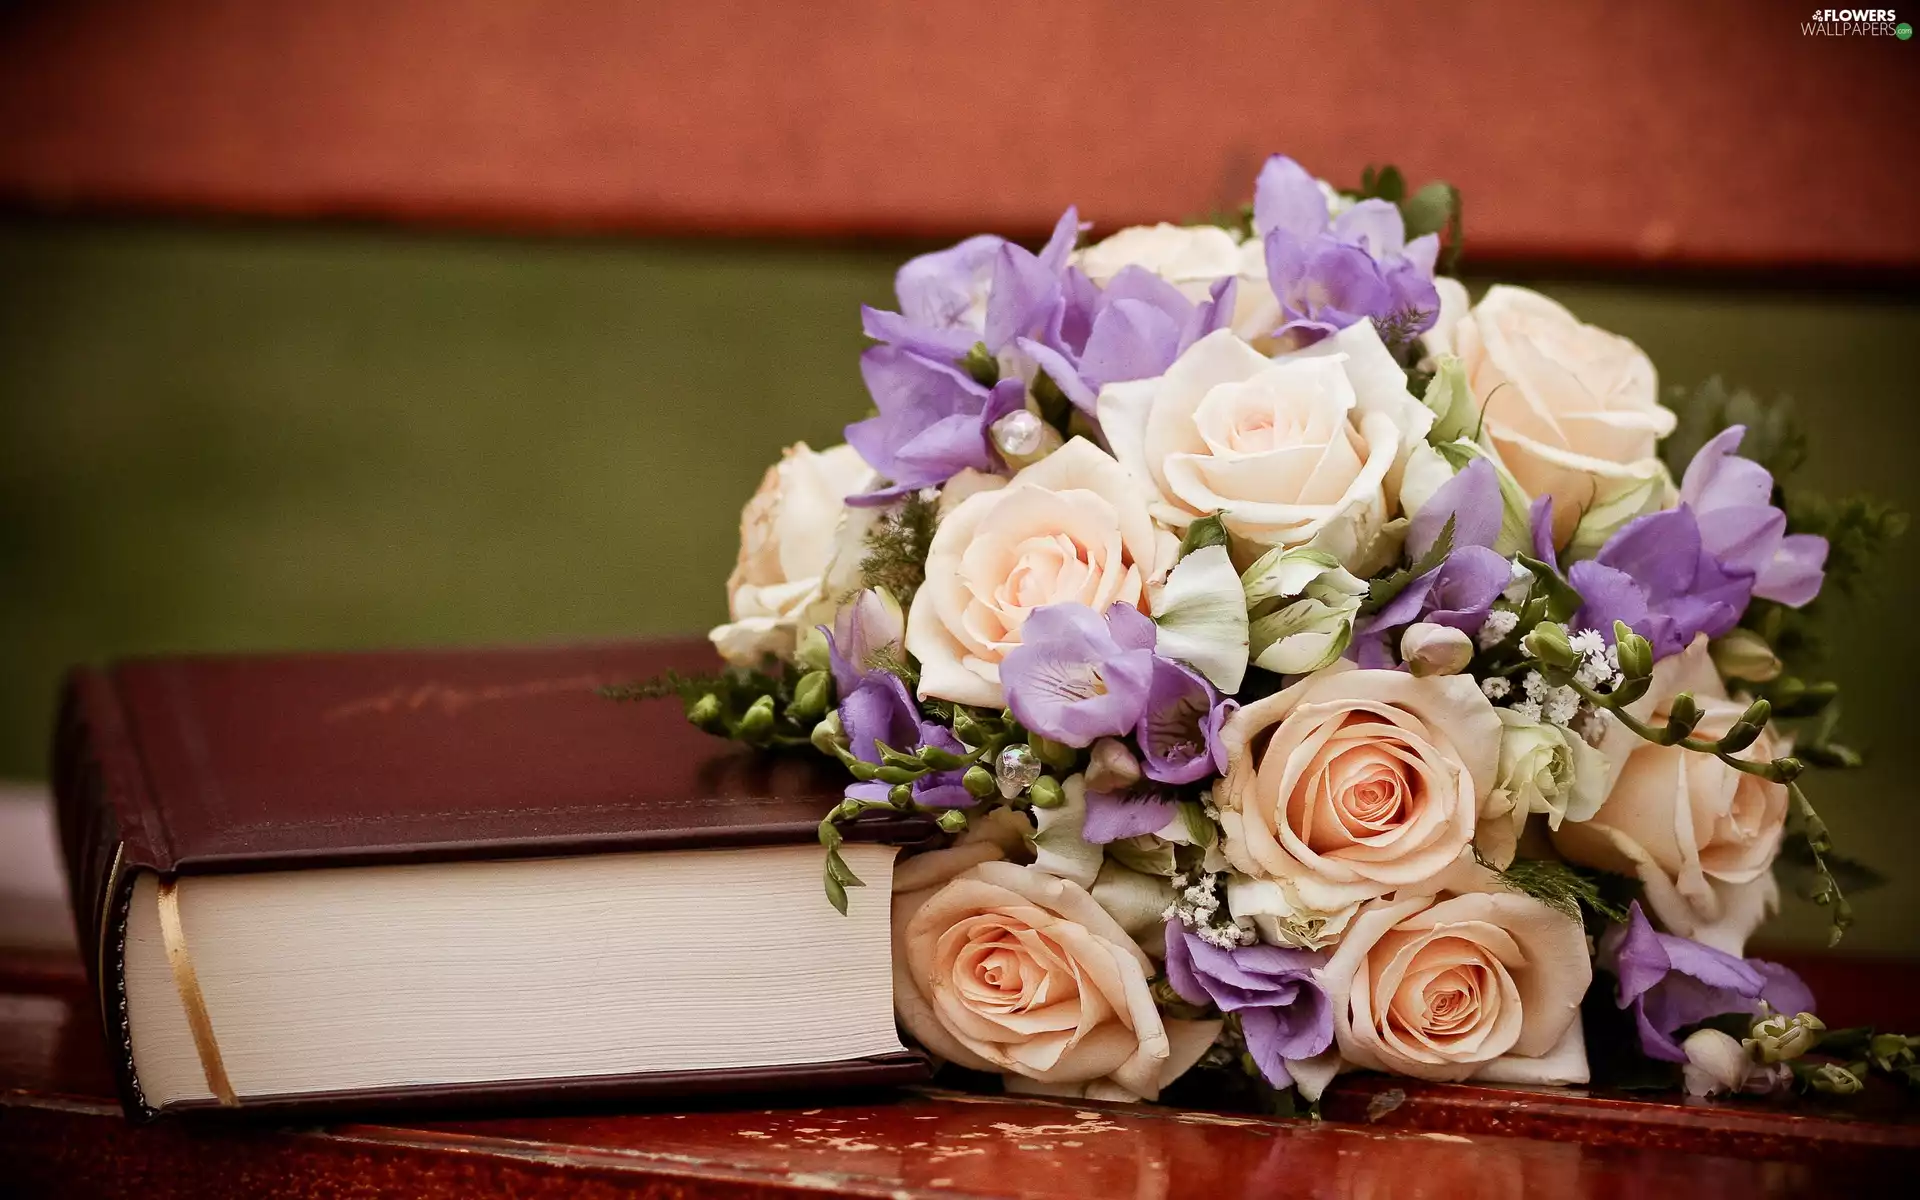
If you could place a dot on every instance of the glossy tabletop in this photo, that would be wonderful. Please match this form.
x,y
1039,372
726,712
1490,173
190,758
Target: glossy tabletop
x,y
61,1134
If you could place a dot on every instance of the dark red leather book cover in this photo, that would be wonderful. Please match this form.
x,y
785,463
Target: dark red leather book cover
x,y
247,763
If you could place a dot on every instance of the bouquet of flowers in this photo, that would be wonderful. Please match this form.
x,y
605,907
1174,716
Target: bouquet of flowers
x,y
1309,669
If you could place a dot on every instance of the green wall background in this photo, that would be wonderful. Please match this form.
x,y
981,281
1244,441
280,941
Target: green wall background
x,y
248,438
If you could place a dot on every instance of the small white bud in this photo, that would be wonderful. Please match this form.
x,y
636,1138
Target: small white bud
x,y
1431,649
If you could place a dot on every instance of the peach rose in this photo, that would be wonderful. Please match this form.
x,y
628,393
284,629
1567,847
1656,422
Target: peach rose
x,y
1483,983
1011,970
1071,527
1699,834
787,543
1351,784
1295,450
1571,410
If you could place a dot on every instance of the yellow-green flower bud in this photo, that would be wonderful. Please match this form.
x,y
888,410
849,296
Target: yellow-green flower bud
x,y
1743,654
1890,1050
1635,652
811,653
1683,713
1834,1080
756,726
1053,754
1779,1038
979,782
810,696
828,737
706,714
954,820
1047,793
1548,643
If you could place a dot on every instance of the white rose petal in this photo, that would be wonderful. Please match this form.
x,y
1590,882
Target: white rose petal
x,y
1291,451
791,540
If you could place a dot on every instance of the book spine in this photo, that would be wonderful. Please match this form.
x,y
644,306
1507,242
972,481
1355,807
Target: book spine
x,y
106,835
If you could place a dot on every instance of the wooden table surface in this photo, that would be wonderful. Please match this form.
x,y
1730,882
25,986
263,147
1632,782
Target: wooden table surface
x,y
62,1134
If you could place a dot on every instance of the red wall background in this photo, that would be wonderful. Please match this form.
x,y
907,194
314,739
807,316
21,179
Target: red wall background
x,y
1711,134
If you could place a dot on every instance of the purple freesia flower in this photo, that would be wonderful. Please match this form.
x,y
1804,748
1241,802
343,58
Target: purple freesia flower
x,y
867,632
1460,591
1655,574
985,289
1179,731
1732,499
934,418
1134,328
1329,273
933,422
1073,679
1672,982
876,707
1115,816
1283,1009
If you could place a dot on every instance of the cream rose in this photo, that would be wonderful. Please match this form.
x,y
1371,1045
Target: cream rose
x,y
1699,834
1190,257
1571,410
1351,784
1482,983
787,543
1011,970
1071,527
1296,450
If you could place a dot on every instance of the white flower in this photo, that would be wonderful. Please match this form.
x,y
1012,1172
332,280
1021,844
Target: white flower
x,y
1202,615
1544,768
1280,919
1190,257
1303,604
1290,451
789,540
1718,1064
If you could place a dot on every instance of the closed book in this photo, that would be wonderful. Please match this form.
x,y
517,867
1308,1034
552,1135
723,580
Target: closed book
x,y
431,878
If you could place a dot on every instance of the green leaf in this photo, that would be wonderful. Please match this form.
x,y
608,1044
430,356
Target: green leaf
x,y
1381,591
1774,437
1562,598
836,894
1205,531
1194,820
1055,409
1383,183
